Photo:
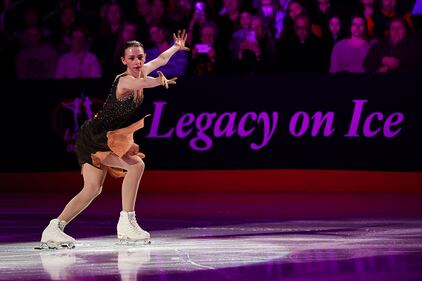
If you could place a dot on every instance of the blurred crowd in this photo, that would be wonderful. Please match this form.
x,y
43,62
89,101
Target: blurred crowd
x,y
84,39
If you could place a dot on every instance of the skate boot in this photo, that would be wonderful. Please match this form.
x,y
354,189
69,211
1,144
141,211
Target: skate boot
x,y
128,229
53,236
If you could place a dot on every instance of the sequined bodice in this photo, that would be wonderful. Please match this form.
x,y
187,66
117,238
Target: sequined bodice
x,y
115,112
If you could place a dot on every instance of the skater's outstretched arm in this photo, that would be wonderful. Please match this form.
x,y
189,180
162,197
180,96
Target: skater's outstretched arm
x,y
164,57
131,83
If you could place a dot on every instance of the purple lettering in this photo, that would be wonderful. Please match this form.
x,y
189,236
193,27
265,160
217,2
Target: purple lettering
x,y
229,129
268,128
367,132
319,119
241,130
156,117
201,126
353,131
390,122
184,121
294,122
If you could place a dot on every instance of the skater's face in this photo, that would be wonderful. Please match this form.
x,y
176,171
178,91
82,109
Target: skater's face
x,y
134,59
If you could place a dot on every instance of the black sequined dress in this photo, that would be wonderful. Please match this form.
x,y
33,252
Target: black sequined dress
x,y
97,137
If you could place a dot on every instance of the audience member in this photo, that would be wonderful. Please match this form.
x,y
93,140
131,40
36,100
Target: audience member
x,y
36,60
348,54
177,65
304,52
394,53
257,51
204,53
79,62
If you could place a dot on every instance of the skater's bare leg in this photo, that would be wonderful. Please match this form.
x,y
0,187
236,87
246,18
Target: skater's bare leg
x,y
93,183
135,168
127,227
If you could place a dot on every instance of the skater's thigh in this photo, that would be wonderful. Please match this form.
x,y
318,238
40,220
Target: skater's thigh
x,y
123,163
93,176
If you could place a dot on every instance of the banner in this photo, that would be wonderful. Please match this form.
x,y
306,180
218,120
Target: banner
x,y
358,122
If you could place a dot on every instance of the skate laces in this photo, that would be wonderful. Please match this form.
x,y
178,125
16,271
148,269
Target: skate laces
x,y
134,224
62,224
60,230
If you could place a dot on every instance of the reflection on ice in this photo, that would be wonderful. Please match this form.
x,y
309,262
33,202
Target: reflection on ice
x,y
130,261
58,264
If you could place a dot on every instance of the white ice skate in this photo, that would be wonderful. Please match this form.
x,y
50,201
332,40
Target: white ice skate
x,y
53,236
128,229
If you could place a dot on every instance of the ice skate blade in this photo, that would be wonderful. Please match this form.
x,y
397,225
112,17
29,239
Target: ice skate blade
x,y
123,240
54,246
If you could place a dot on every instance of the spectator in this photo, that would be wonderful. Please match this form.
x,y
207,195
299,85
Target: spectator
x,y
36,60
304,52
128,33
201,15
180,12
257,50
349,53
159,14
394,53
335,31
228,23
177,65
240,35
204,54
294,9
388,10
368,9
273,15
102,20
63,32
106,40
142,19
31,18
78,63
321,15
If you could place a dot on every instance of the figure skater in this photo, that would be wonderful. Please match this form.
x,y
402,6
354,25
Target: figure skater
x,y
104,145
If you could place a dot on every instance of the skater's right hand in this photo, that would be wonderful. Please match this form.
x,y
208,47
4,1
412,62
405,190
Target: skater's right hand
x,y
166,82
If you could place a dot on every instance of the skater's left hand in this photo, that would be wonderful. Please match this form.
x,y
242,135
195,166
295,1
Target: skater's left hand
x,y
180,40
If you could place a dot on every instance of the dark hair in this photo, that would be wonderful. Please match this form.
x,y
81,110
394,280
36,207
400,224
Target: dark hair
x,y
130,44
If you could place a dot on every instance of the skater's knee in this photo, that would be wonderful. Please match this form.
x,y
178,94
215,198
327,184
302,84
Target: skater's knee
x,y
136,164
93,190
